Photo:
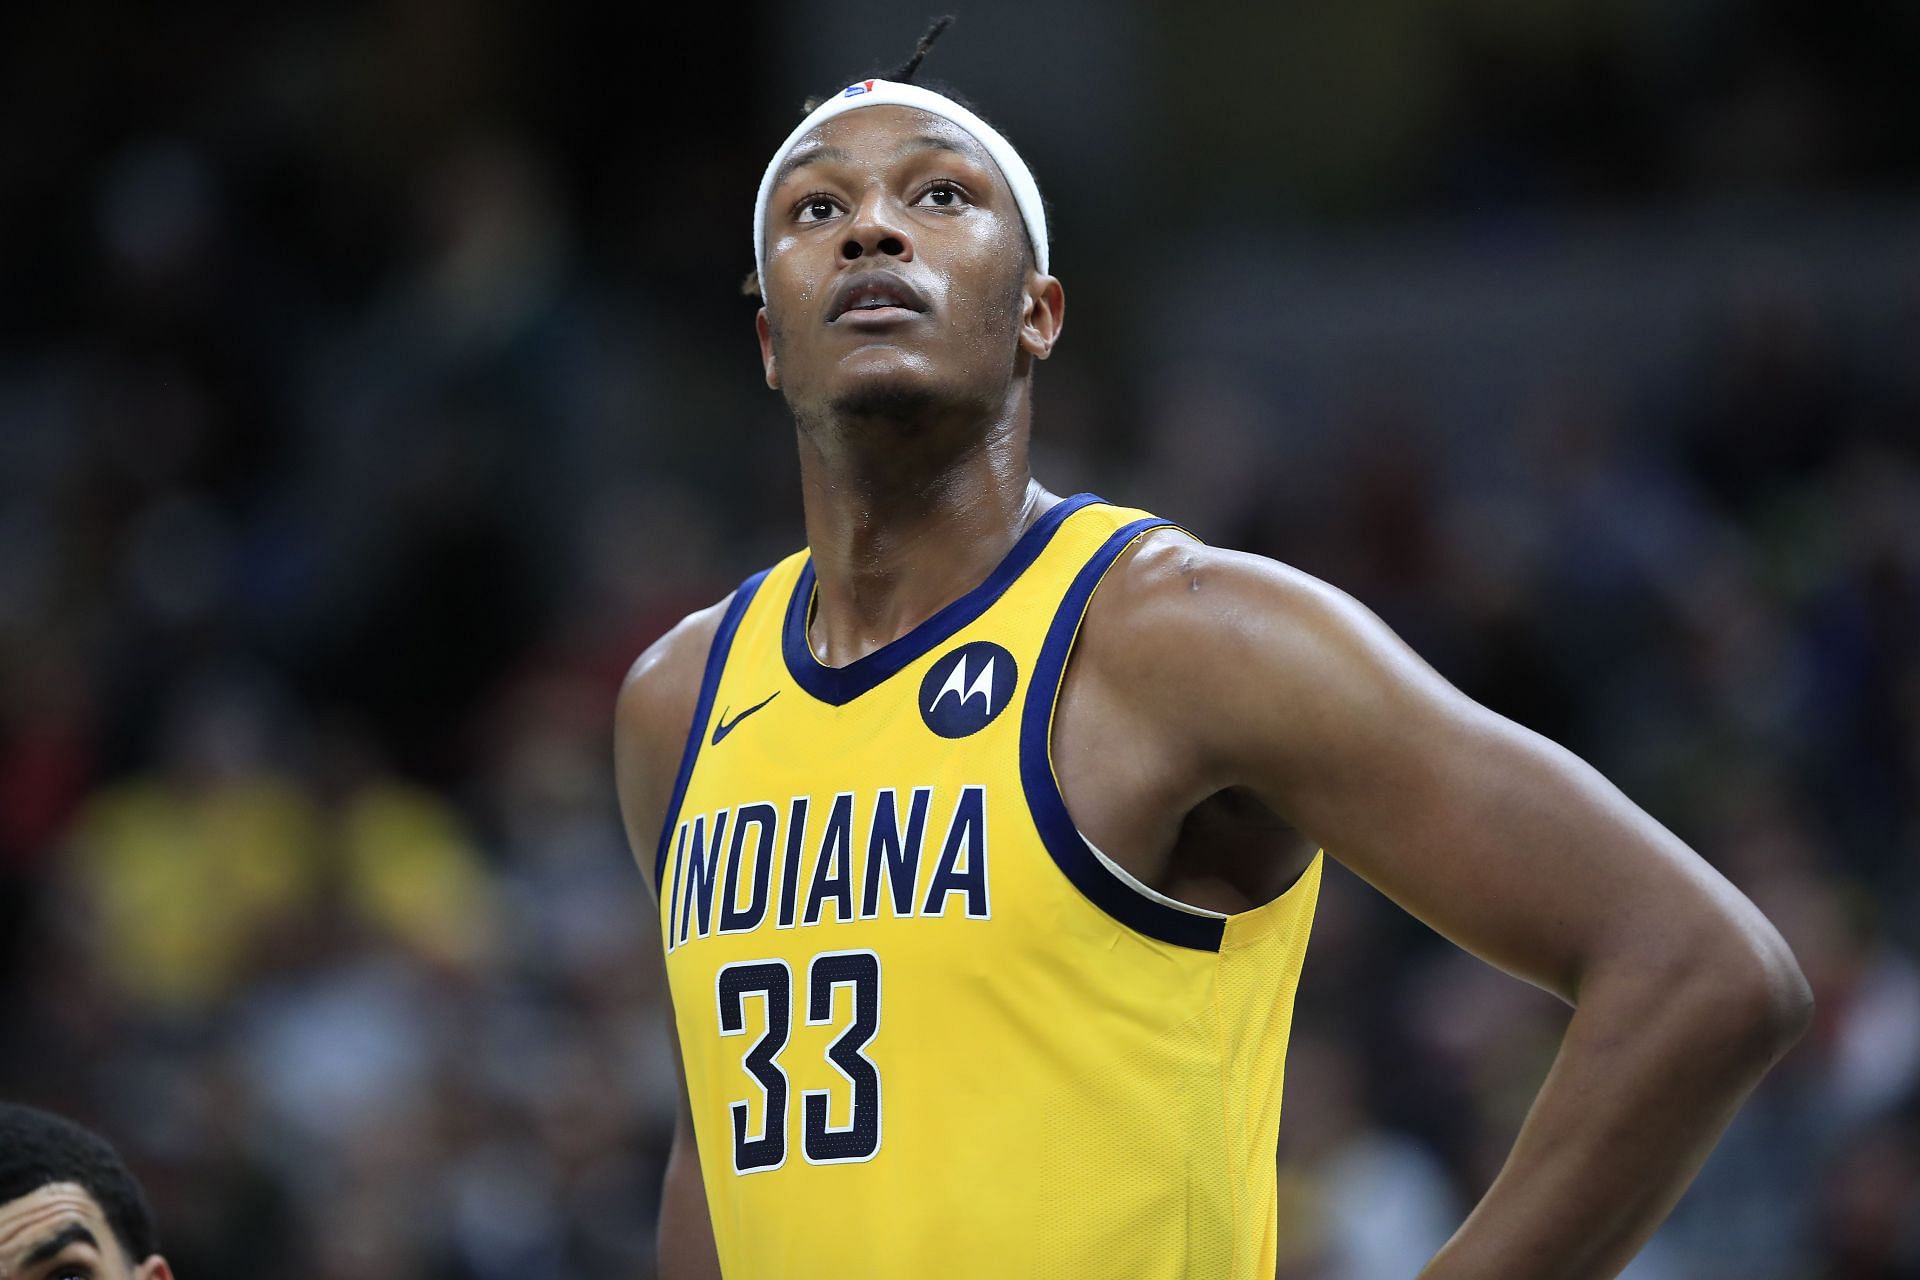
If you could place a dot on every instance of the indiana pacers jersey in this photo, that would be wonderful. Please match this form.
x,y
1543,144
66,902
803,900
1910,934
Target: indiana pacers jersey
x,y
928,1030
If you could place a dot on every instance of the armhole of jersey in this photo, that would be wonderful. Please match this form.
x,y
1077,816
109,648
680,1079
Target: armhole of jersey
x,y
1141,887
703,711
1103,883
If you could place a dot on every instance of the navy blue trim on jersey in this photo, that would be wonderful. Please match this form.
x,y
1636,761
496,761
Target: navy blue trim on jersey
x,y
1058,831
841,685
703,711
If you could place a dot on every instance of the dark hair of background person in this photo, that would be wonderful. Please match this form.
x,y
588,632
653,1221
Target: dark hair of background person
x,y
38,1149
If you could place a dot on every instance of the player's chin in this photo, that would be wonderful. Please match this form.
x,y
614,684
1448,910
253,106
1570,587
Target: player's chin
x,y
900,395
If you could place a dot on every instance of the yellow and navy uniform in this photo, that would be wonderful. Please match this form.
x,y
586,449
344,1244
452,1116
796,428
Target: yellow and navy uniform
x,y
930,1031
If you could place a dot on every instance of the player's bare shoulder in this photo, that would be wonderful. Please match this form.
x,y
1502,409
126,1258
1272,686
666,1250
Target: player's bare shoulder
x,y
1231,652
1173,604
651,718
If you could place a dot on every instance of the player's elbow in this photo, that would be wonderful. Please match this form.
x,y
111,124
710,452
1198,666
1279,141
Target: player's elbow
x,y
1752,989
1710,975
1788,999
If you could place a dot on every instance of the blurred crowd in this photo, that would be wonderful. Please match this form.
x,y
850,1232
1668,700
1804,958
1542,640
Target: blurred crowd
x,y
376,387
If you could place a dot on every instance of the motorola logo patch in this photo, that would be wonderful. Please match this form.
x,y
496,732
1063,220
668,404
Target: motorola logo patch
x,y
964,690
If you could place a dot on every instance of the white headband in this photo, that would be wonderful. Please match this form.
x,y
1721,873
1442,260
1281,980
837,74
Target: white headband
x,y
890,93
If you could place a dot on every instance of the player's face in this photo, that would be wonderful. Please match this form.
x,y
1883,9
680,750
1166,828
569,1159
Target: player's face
x,y
59,1233
897,266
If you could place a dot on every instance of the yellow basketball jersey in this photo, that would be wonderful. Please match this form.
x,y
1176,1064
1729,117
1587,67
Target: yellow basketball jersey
x,y
928,1030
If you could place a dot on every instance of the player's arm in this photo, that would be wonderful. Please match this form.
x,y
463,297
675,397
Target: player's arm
x,y
686,1231
1684,994
655,709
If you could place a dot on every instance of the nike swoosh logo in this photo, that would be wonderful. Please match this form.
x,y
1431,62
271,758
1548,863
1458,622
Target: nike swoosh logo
x,y
725,726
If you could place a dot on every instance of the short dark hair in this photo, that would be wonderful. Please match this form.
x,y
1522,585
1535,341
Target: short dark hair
x,y
38,1149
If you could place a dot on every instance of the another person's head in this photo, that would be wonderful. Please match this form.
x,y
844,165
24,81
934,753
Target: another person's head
x,y
69,1209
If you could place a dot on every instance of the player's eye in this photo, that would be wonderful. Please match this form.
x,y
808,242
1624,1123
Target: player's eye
x,y
944,195
815,209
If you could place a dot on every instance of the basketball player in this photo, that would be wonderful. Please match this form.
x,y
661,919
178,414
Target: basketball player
x,y
69,1209
986,830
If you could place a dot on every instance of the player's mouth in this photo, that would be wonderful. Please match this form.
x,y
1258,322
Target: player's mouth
x,y
869,299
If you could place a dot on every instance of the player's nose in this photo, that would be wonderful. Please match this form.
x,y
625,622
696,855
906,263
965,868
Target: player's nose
x,y
876,229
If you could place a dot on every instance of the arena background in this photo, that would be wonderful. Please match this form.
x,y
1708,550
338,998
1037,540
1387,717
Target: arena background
x,y
375,384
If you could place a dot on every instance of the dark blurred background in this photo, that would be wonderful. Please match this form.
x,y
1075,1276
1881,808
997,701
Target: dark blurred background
x,y
375,384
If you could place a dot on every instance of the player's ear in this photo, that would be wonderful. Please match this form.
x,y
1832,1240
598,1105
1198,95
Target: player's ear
x,y
767,359
1043,313
154,1268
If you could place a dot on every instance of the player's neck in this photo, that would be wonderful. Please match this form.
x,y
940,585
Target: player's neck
x,y
897,532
